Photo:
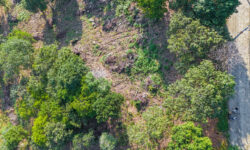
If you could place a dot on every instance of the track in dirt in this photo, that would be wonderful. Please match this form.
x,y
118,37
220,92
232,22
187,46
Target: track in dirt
x,y
240,67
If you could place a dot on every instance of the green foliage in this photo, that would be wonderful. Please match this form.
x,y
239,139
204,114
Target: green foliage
x,y
107,142
211,13
57,135
153,8
12,135
83,141
2,2
108,107
190,41
64,77
38,132
189,137
201,93
14,54
145,63
146,134
18,34
35,5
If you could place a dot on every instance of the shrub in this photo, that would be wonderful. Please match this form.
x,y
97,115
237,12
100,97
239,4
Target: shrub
x,y
188,136
107,142
154,126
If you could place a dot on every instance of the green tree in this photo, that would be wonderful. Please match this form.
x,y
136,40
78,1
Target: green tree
x,y
107,142
83,141
189,137
12,136
153,8
14,54
190,41
64,77
57,135
38,133
108,107
35,5
200,94
211,13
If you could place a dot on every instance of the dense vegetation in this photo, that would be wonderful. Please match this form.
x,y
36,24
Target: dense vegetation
x,y
61,103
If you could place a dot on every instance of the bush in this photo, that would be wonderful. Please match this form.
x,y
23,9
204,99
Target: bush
x,y
83,141
188,136
145,64
147,133
13,135
107,142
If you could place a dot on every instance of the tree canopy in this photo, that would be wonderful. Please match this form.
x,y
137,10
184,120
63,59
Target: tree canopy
x,y
190,41
153,8
189,137
200,93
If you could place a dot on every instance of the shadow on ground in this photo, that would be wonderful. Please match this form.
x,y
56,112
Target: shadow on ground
x,y
66,25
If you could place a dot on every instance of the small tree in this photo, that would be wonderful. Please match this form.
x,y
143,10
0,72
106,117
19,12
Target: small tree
x,y
153,8
189,137
83,141
57,135
107,142
12,136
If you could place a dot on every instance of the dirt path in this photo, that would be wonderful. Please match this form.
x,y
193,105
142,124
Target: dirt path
x,y
238,25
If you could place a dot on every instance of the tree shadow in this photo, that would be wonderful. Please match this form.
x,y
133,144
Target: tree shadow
x,y
65,25
239,128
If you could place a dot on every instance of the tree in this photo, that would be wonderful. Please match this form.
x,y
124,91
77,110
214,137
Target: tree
x,y
153,8
35,5
190,41
12,136
38,133
15,55
189,137
107,142
200,94
83,141
57,135
64,77
211,13
108,107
